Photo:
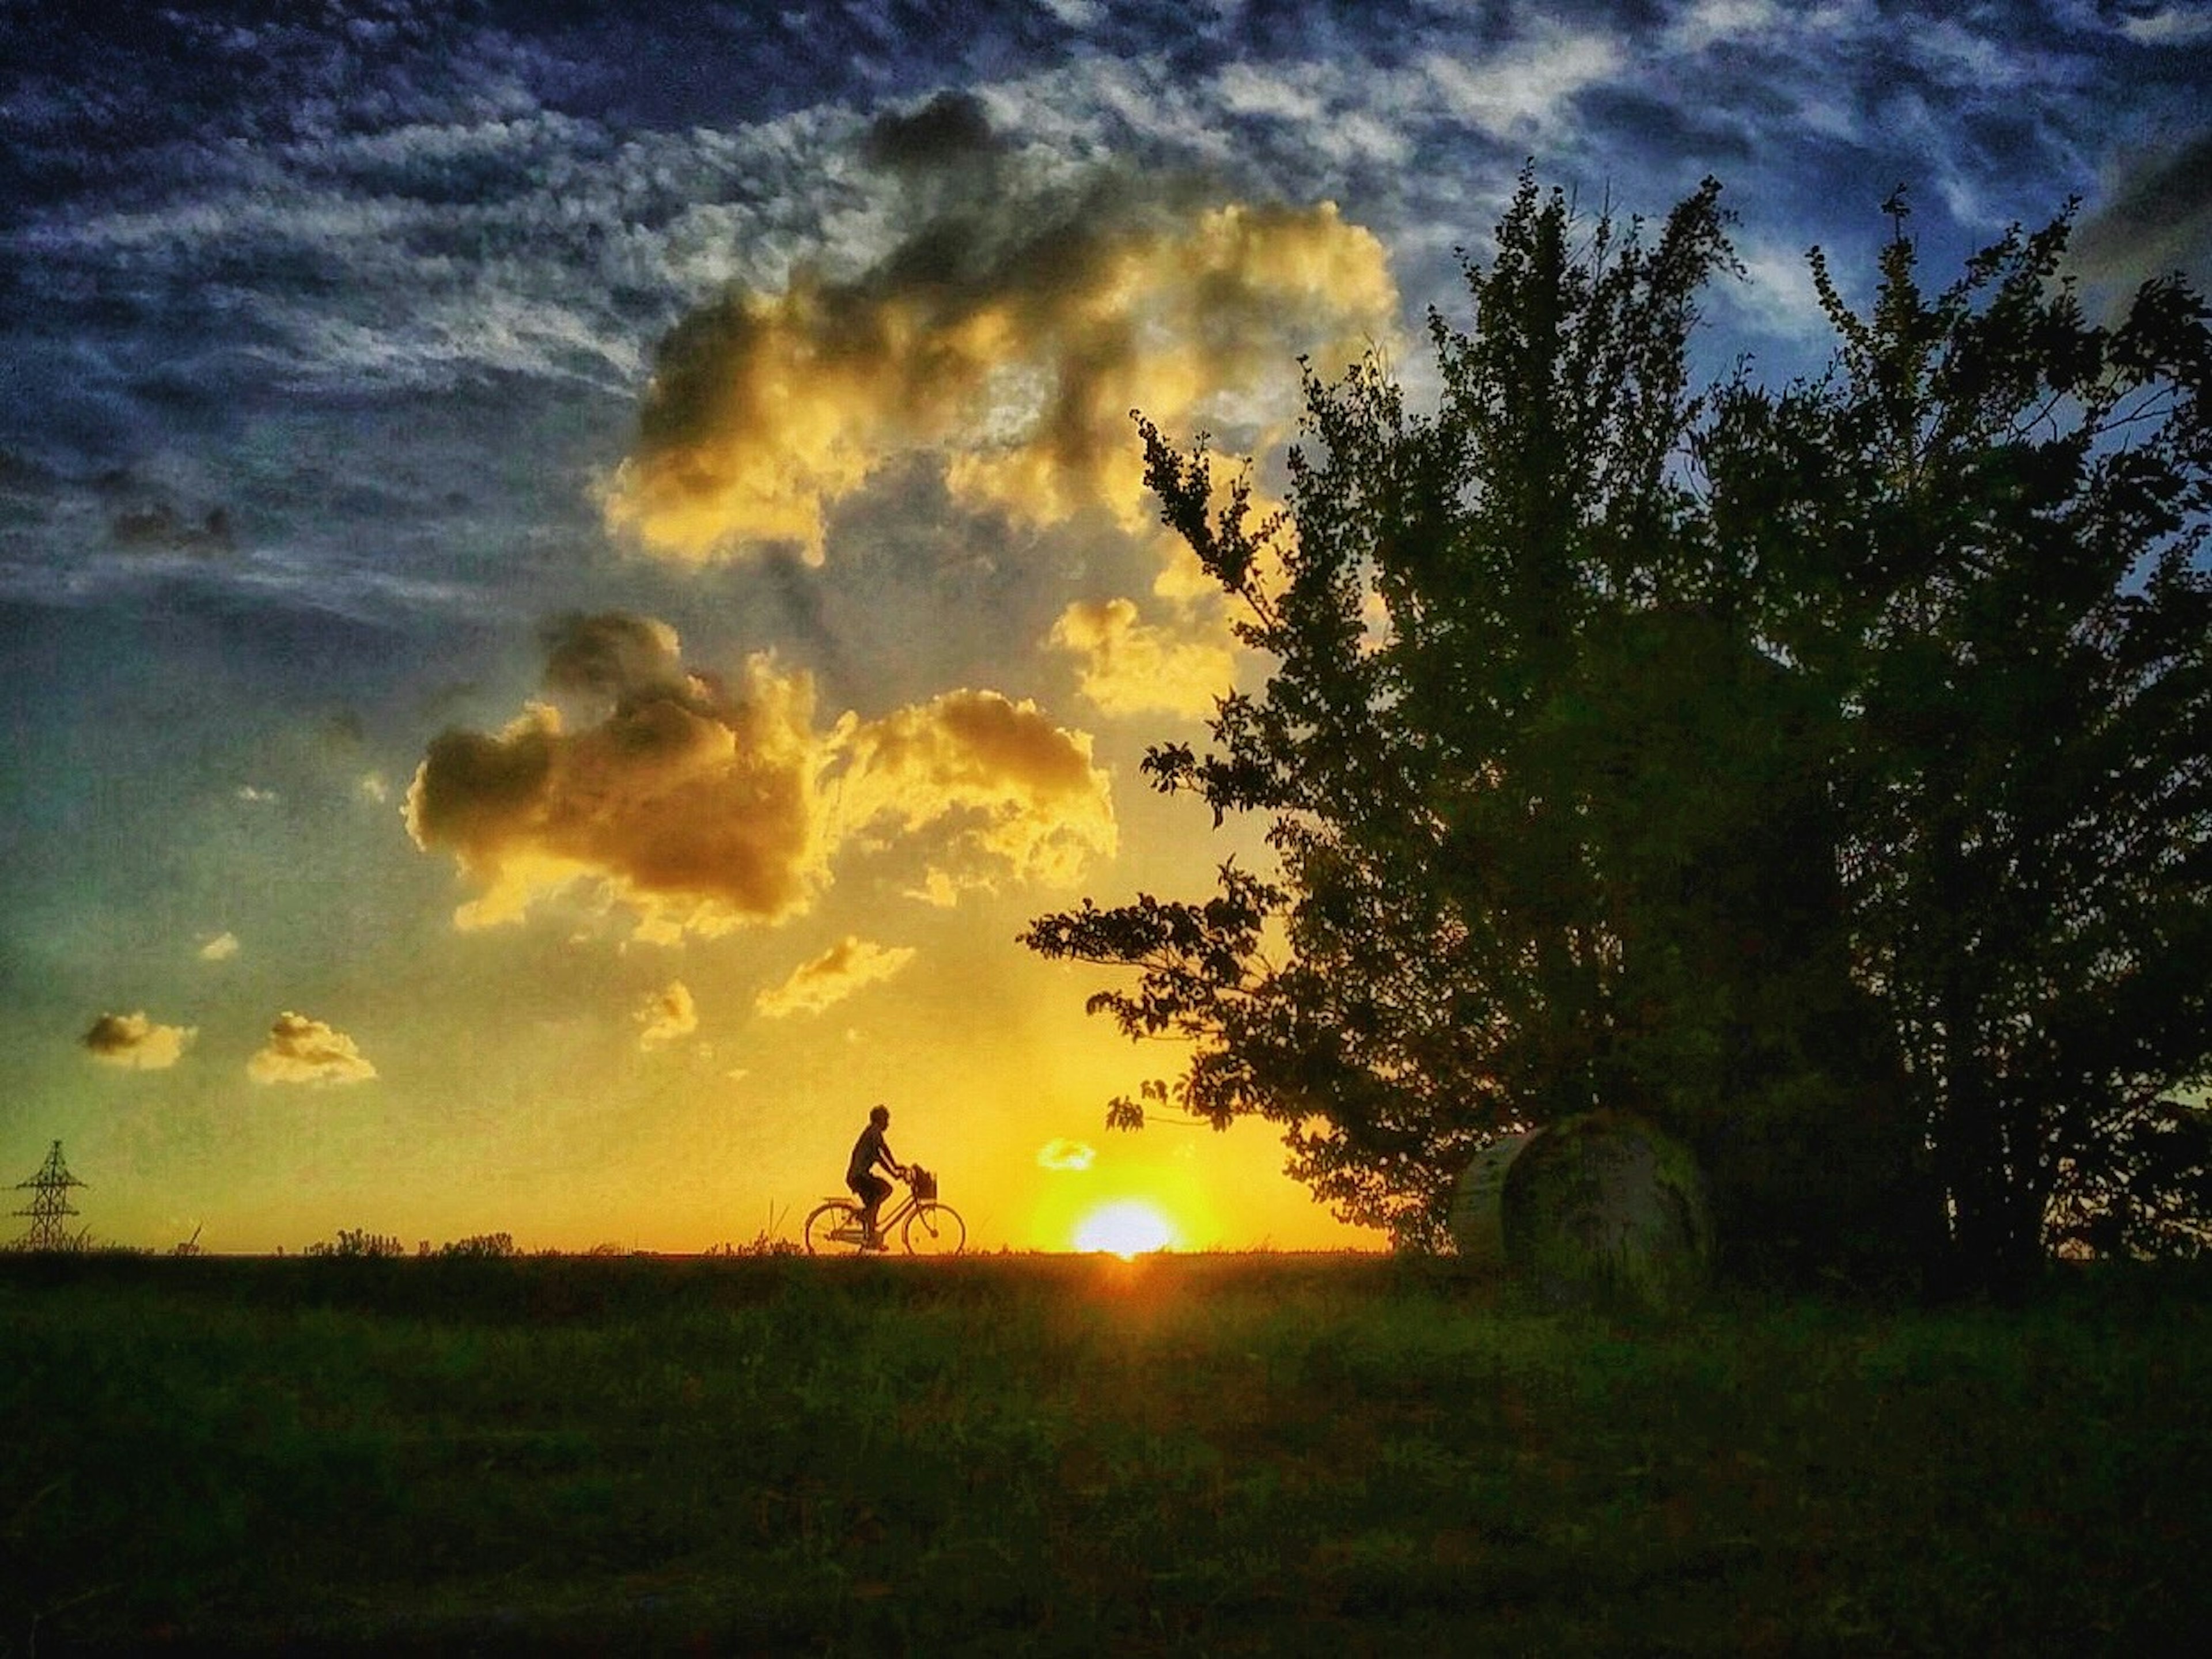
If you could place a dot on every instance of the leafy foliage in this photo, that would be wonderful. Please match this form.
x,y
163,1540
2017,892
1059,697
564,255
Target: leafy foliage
x,y
1445,970
354,1243
1820,772
1993,579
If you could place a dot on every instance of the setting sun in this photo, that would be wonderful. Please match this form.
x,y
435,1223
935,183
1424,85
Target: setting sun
x,y
1125,1228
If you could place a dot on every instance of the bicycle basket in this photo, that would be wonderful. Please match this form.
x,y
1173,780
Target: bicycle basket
x,y
924,1183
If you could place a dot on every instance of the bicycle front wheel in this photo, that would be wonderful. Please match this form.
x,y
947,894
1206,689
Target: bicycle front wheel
x,y
933,1230
833,1228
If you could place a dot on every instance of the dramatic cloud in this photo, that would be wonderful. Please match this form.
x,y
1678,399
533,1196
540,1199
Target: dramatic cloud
x,y
1060,1153
2155,219
135,1041
851,965
667,1014
303,1050
2175,26
221,948
702,806
613,656
950,130
1728,22
699,805
1012,338
161,529
1776,294
1025,789
1525,90
1128,666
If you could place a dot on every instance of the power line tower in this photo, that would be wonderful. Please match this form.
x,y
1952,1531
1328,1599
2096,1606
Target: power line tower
x,y
49,1204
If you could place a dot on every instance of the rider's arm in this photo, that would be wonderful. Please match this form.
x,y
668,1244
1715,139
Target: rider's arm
x,y
889,1159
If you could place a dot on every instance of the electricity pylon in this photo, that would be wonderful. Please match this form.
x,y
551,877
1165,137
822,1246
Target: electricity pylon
x,y
49,1204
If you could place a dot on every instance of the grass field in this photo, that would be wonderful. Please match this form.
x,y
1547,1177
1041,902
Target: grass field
x,y
1038,1454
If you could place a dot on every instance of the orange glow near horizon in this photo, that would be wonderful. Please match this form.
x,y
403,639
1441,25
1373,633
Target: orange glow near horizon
x,y
1127,1228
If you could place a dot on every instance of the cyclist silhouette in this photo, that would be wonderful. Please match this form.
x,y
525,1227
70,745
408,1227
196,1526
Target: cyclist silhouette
x,y
870,1188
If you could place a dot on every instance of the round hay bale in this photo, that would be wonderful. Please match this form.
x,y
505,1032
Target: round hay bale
x,y
1604,1210
1477,1221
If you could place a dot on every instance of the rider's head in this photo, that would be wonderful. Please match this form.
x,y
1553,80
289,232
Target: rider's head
x,y
880,1116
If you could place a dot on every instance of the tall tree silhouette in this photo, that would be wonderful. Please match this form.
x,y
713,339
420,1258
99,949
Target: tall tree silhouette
x,y
1979,538
1602,766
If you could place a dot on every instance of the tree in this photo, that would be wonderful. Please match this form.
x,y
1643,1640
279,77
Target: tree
x,y
1980,539
1530,863
1628,748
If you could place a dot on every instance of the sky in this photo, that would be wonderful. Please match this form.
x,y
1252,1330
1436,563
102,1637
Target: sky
x,y
572,575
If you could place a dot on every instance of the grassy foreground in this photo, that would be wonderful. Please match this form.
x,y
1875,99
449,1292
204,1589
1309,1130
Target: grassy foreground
x,y
1031,1453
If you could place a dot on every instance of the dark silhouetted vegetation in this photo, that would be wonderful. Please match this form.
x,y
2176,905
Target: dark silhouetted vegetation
x,y
353,1243
1824,773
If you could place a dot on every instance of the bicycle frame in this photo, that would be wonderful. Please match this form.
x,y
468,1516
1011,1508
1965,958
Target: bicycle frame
x,y
836,1222
885,1220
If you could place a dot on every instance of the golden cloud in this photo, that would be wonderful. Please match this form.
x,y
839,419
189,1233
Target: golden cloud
x,y
667,1014
135,1041
1060,1153
303,1050
221,948
851,965
1017,352
701,806
698,805
1128,666
1026,788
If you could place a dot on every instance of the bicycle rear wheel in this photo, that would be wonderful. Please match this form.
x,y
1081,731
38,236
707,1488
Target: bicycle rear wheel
x,y
833,1228
933,1230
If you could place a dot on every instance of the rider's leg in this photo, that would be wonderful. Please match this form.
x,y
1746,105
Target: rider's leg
x,y
871,1199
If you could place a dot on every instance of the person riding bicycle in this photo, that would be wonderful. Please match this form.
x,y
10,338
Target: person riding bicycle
x,y
870,1188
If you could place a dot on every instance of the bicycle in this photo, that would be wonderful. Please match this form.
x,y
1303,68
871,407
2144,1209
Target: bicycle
x,y
925,1226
